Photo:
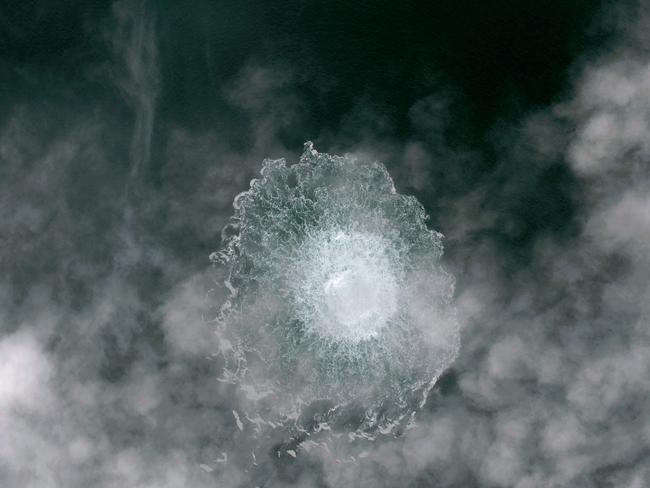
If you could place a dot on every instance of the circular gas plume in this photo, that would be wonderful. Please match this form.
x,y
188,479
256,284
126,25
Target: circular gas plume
x,y
336,293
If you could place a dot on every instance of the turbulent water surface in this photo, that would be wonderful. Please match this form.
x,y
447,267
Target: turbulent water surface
x,y
337,296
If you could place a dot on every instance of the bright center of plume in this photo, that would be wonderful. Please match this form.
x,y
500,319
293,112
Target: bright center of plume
x,y
347,288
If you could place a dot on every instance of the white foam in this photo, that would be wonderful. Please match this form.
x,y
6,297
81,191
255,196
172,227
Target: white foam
x,y
347,286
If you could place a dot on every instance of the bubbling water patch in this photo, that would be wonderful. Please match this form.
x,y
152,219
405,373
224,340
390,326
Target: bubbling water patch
x,y
337,300
345,288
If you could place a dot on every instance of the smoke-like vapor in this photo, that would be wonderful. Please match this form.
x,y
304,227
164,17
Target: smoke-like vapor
x,y
137,73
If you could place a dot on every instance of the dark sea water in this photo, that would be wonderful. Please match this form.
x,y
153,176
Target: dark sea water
x,y
128,127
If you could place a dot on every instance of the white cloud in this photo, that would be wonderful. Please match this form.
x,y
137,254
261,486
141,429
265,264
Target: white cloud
x,y
25,373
